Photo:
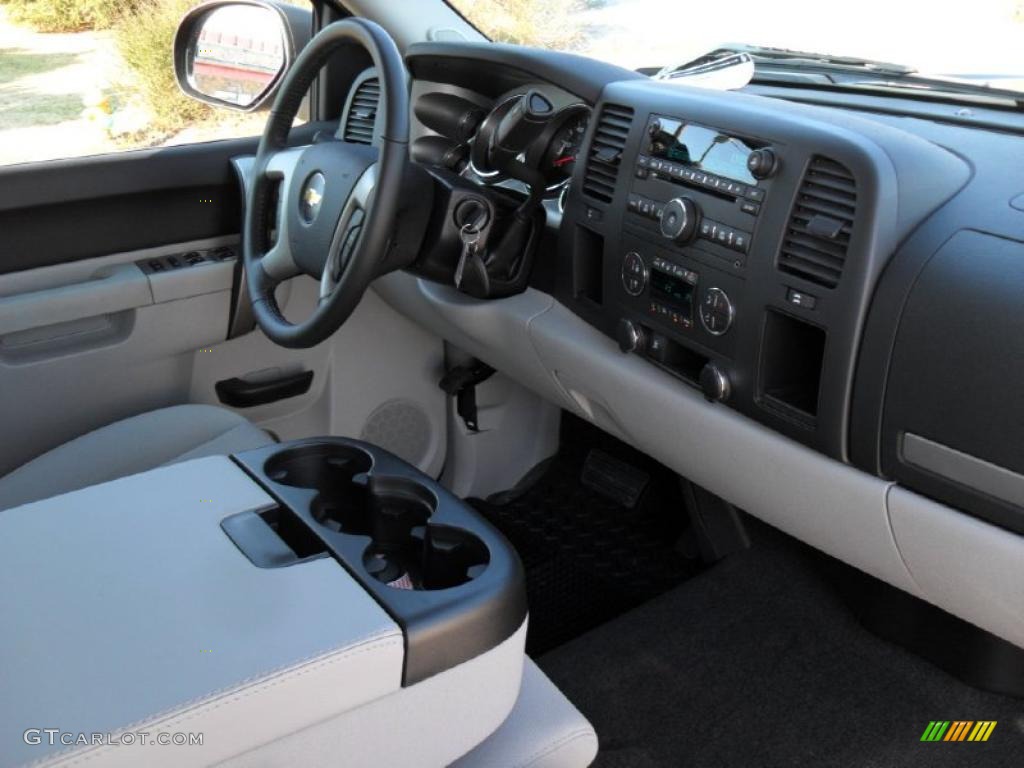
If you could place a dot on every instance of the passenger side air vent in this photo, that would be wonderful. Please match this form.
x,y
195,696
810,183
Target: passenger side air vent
x,y
818,235
606,152
362,112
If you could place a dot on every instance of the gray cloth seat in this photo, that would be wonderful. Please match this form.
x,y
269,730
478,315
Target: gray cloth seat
x,y
544,730
132,445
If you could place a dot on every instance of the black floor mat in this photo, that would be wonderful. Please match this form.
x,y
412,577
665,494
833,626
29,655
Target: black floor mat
x,y
589,557
756,662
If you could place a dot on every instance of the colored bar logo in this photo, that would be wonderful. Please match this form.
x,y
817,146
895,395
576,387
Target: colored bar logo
x,y
958,730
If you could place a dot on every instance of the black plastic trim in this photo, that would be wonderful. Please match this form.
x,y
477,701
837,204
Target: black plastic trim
x,y
900,179
239,393
443,627
80,208
492,69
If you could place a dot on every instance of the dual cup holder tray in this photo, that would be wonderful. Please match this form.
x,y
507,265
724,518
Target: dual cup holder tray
x,y
442,572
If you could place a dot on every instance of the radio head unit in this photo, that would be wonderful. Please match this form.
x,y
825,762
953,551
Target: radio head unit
x,y
701,148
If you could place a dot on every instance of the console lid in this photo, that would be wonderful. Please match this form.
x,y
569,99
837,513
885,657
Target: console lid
x,y
128,610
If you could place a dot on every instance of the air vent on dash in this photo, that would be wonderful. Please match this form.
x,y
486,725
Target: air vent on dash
x,y
606,152
362,112
818,235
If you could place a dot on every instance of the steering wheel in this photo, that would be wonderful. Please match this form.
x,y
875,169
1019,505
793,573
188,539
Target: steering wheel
x,y
335,205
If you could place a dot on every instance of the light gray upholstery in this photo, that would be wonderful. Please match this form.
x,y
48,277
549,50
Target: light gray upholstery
x,y
544,730
133,611
132,445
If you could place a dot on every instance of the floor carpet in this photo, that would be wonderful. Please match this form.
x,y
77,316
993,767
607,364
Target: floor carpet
x,y
756,662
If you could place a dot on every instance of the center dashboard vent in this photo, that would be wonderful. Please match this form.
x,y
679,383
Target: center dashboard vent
x,y
605,154
818,234
361,115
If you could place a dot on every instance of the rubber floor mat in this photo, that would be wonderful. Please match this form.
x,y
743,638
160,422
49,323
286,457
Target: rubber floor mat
x,y
597,532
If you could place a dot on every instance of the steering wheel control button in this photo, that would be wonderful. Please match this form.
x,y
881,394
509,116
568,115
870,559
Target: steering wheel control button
x,y
716,311
679,220
312,197
634,274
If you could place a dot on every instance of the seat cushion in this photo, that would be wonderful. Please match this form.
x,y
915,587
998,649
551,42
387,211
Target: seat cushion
x,y
132,445
544,730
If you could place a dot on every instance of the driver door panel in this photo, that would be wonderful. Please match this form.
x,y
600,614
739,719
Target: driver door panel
x,y
88,336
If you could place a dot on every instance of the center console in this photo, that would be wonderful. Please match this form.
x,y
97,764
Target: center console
x,y
735,246
320,598
695,196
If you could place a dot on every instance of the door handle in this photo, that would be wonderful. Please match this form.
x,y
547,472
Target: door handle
x,y
239,393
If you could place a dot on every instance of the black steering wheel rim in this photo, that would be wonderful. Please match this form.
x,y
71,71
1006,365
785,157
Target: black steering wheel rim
x,y
389,168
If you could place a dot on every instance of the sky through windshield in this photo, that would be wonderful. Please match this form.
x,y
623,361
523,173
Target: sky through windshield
x,y
980,37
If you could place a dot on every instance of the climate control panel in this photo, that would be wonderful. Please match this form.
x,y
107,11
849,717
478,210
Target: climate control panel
x,y
677,296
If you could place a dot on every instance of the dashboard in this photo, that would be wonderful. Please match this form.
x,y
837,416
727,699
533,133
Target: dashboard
x,y
815,268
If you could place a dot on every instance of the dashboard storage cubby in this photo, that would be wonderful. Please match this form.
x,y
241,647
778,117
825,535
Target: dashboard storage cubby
x,y
445,575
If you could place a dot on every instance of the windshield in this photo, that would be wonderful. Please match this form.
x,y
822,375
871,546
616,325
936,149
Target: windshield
x,y
980,40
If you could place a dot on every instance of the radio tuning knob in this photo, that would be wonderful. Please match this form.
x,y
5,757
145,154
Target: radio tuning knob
x,y
715,383
762,163
679,219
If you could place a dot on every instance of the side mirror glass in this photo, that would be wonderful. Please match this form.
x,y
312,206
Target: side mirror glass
x,y
234,54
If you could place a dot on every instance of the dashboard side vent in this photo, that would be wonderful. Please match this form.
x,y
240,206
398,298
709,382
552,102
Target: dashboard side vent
x,y
606,152
362,112
818,234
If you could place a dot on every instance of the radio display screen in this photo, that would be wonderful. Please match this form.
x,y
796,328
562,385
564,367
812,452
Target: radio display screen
x,y
673,292
701,148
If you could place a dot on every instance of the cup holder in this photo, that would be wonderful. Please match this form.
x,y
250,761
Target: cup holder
x,y
406,551
328,469
430,558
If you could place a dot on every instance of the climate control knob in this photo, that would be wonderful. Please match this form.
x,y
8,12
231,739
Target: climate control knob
x,y
634,273
679,220
715,383
716,311
632,337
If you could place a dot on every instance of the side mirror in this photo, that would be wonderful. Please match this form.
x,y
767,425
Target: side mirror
x,y
234,54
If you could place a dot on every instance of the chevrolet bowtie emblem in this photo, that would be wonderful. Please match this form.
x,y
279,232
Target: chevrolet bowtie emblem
x,y
312,196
